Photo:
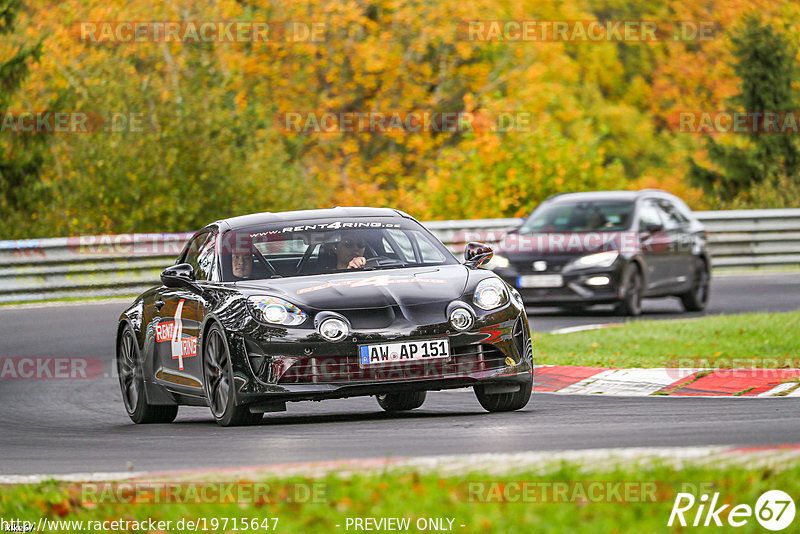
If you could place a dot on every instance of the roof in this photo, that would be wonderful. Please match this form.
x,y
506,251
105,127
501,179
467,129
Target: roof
x,y
256,219
605,195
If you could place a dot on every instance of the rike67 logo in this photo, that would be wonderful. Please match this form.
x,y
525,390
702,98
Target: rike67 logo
x,y
172,331
774,510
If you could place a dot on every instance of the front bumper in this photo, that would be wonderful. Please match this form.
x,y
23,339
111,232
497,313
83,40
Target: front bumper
x,y
304,367
575,289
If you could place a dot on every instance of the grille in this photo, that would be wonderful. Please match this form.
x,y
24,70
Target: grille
x,y
345,369
554,264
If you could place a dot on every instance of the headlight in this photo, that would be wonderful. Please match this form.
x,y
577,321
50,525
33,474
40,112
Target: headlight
x,y
333,329
498,262
490,294
275,311
601,259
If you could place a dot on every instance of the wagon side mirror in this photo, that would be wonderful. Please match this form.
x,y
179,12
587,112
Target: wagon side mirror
x,y
477,254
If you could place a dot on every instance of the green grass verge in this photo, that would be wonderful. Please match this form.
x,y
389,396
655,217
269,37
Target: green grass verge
x,y
414,496
768,340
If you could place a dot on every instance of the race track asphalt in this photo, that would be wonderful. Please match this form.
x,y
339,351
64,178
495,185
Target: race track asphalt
x,y
65,426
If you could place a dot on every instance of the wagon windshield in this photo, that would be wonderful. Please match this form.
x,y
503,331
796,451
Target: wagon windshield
x,y
580,217
319,247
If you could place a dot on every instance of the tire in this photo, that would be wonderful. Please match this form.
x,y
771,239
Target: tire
x,y
505,402
131,383
401,402
217,380
696,299
631,303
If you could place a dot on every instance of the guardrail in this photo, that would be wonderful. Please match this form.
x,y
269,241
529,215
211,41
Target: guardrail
x,y
36,269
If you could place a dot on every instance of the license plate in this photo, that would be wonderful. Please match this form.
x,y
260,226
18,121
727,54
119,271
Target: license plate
x,y
540,280
408,351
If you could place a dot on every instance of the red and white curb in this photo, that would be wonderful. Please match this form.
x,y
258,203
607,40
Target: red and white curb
x,y
678,382
544,462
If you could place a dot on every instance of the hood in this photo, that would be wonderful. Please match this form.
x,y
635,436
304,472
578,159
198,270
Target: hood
x,y
366,289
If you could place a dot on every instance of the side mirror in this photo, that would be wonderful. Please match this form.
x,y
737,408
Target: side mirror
x,y
654,227
477,254
181,275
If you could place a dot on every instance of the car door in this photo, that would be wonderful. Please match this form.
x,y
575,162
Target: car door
x,y
676,226
178,321
654,245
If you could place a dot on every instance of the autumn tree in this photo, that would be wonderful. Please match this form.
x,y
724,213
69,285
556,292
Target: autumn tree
x,y
765,61
20,153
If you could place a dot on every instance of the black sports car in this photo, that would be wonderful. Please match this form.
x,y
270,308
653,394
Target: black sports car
x,y
607,247
309,305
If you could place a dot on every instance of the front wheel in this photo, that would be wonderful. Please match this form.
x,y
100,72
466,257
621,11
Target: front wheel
x,y
401,402
505,402
218,383
131,382
696,298
631,303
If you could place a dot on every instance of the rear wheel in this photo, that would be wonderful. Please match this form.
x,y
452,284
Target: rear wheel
x,y
505,402
218,383
131,382
631,303
401,402
696,298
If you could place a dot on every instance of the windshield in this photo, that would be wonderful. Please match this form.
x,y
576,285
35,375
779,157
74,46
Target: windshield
x,y
580,217
321,247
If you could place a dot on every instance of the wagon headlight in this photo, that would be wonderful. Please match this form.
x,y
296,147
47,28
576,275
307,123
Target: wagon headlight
x,y
600,259
498,262
490,294
273,310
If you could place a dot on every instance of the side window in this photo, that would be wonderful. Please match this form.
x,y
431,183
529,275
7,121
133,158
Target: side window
x,y
406,252
205,259
672,217
429,254
648,214
200,255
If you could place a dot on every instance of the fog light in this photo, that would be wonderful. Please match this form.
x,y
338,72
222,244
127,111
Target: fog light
x,y
598,281
333,329
461,319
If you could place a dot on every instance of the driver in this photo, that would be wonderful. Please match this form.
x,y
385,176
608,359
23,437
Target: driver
x,y
242,264
350,251
242,256
595,219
